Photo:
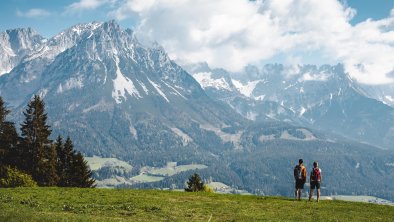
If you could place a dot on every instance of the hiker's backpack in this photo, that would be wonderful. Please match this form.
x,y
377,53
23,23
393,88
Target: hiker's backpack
x,y
298,172
315,174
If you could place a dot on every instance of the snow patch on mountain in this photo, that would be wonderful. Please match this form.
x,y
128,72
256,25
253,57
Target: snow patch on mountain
x,y
43,92
70,84
261,97
157,87
302,111
247,89
389,98
205,79
123,85
175,91
143,87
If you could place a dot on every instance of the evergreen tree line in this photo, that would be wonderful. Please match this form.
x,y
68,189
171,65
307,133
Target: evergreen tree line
x,y
34,153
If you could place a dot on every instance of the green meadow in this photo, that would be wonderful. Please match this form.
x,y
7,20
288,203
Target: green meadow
x,y
76,204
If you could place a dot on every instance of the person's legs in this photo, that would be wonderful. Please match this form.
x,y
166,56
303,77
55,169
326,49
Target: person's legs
x,y
299,194
311,194
296,193
318,195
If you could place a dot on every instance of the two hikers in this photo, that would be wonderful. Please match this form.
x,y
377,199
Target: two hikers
x,y
300,179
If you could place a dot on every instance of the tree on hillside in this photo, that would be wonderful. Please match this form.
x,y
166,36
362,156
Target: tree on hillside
x,y
66,155
8,137
82,176
37,152
60,162
72,167
195,184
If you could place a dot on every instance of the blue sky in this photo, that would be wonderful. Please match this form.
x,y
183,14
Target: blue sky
x,y
234,33
374,9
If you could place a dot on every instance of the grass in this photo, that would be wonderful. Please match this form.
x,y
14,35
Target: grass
x,y
73,204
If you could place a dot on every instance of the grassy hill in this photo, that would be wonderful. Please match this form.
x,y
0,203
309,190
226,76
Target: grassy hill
x,y
73,204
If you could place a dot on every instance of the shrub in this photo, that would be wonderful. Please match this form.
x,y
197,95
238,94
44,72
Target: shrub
x,y
12,177
208,189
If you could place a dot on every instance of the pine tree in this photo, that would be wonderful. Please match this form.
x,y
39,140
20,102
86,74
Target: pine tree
x,y
74,169
36,148
65,157
82,175
8,138
60,159
194,184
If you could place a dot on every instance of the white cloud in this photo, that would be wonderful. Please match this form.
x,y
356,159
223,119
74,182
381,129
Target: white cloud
x,y
33,13
86,5
234,33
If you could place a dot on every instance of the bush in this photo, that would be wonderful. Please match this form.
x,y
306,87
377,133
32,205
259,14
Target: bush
x,y
208,189
11,177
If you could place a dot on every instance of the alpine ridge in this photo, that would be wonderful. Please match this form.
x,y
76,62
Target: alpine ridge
x,y
324,98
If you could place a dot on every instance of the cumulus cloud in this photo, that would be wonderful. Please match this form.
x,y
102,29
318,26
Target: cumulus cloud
x,y
234,33
33,13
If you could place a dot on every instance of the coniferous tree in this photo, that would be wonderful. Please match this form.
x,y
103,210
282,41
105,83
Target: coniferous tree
x,y
65,157
8,138
195,184
36,148
82,175
60,159
74,169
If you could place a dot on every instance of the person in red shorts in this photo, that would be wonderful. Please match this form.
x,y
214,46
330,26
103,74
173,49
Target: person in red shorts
x,y
315,181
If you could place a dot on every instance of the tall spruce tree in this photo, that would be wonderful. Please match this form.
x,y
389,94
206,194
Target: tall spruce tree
x,y
38,154
60,159
66,155
73,169
82,175
8,138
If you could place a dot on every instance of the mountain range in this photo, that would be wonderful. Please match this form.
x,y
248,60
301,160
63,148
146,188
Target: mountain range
x,y
324,98
116,97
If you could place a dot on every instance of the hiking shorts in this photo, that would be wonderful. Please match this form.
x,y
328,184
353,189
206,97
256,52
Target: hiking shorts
x,y
315,184
299,184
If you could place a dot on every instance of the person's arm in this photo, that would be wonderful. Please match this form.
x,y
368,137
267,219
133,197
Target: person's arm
x,y
321,176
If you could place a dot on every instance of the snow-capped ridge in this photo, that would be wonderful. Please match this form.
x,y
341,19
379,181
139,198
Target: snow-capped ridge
x,y
15,45
205,79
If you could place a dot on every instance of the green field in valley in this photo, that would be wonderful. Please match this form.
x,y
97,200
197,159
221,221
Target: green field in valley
x,y
75,204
